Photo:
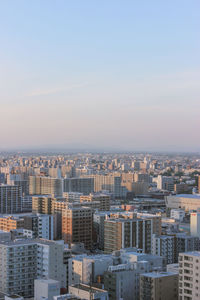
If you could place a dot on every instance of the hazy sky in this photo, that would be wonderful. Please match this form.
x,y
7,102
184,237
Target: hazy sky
x,y
100,74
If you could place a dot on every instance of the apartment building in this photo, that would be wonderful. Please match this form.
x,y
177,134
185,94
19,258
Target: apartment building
x,y
101,198
42,204
41,225
164,245
77,225
10,199
23,261
8,223
125,233
41,185
189,276
83,185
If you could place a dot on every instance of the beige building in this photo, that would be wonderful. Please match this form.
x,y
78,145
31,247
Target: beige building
x,y
42,204
185,201
159,286
41,185
8,223
101,198
77,225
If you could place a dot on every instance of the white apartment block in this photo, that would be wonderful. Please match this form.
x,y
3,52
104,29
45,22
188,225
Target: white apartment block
x,y
23,261
189,276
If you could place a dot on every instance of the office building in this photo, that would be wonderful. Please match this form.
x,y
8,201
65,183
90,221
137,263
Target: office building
x,y
156,286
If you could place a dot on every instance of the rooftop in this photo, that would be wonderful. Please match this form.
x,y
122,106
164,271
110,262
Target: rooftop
x,y
159,274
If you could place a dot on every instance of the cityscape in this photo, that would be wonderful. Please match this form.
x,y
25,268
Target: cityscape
x,y
100,150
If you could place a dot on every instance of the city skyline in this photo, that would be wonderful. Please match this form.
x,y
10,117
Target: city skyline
x,y
106,76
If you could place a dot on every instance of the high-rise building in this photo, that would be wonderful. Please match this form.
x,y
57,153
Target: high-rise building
x,y
199,184
189,275
10,199
8,223
125,233
165,183
195,224
111,183
23,261
41,225
165,246
156,286
41,185
77,225
42,204
83,185
102,198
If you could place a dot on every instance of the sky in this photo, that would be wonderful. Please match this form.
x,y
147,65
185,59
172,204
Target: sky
x,y
109,74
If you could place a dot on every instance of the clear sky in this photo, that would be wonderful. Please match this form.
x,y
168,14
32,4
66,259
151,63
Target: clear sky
x,y
109,74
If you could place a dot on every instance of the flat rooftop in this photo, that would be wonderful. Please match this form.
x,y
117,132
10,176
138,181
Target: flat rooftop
x,y
159,274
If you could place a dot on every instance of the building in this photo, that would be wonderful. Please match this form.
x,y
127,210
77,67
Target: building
x,y
156,286
169,246
87,292
165,246
10,199
42,204
83,185
46,289
189,276
88,269
28,260
41,225
58,204
177,214
122,281
140,188
165,183
125,233
195,224
41,185
8,223
181,188
199,184
111,183
184,201
102,198
77,225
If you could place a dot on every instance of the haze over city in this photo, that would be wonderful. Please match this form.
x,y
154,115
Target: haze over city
x,y
107,75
